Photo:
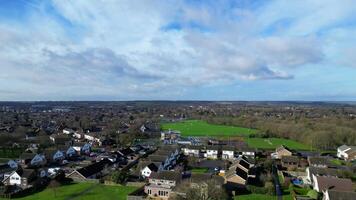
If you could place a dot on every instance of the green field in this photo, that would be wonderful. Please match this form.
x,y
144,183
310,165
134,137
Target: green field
x,y
81,191
272,143
202,128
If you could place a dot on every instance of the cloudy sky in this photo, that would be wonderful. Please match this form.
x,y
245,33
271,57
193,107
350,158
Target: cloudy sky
x,y
177,50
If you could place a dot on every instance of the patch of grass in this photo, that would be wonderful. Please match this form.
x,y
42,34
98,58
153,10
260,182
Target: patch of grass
x,y
261,197
74,190
202,128
272,143
199,170
337,162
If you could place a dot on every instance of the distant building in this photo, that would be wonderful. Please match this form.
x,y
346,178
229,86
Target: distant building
x,y
170,136
346,152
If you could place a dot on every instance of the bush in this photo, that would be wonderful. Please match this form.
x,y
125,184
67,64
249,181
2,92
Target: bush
x,y
267,189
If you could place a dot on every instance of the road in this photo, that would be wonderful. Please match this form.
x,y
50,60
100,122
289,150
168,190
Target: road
x,y
277,185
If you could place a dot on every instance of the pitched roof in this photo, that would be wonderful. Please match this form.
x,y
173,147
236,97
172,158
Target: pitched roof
x,y
166,175
323,171
126,151
93,168
198,178
245,164
290,159
157,158
332,183
25,156
282,147
26,173
241,173
343,147
341,195
153,167
318,161
5,168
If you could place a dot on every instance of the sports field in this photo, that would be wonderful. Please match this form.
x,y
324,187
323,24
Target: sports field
x,y
202,128
272,143
81,191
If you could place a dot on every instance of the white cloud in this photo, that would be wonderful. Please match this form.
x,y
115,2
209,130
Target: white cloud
x,y
120,47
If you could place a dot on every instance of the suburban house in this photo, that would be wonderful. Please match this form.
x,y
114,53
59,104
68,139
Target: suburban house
x,y
54,155
60,139
170,136
7,168
246,151
321,183
38,160
162,183
212,152
346,152
281,151
290,162
146,168
85,149
92,171
238,173
21,178
201,181
236,177
338,195
192,151
68,131
93,137
78,135
315,171
71,152
228,152
321,162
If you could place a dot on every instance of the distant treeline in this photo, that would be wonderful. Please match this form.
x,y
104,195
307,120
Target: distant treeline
x,y
324,134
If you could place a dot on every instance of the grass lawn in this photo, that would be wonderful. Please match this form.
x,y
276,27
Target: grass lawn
x,y
272,143
72,190
261,197
338,162
199,170
202,128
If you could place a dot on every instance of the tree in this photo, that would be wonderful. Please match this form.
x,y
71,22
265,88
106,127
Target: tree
x,y
54,184
206,190
119,177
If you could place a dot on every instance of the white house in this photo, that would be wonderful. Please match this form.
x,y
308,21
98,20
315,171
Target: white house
x,y
92,137
68,131
14,179
341,151
346,152
20,178
211,152
191,151
147,171
228,153
78,135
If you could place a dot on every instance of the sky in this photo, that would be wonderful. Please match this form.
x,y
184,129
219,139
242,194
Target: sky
x,y
178,50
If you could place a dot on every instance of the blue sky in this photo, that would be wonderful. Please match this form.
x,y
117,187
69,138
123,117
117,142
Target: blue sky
x,y
178,50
